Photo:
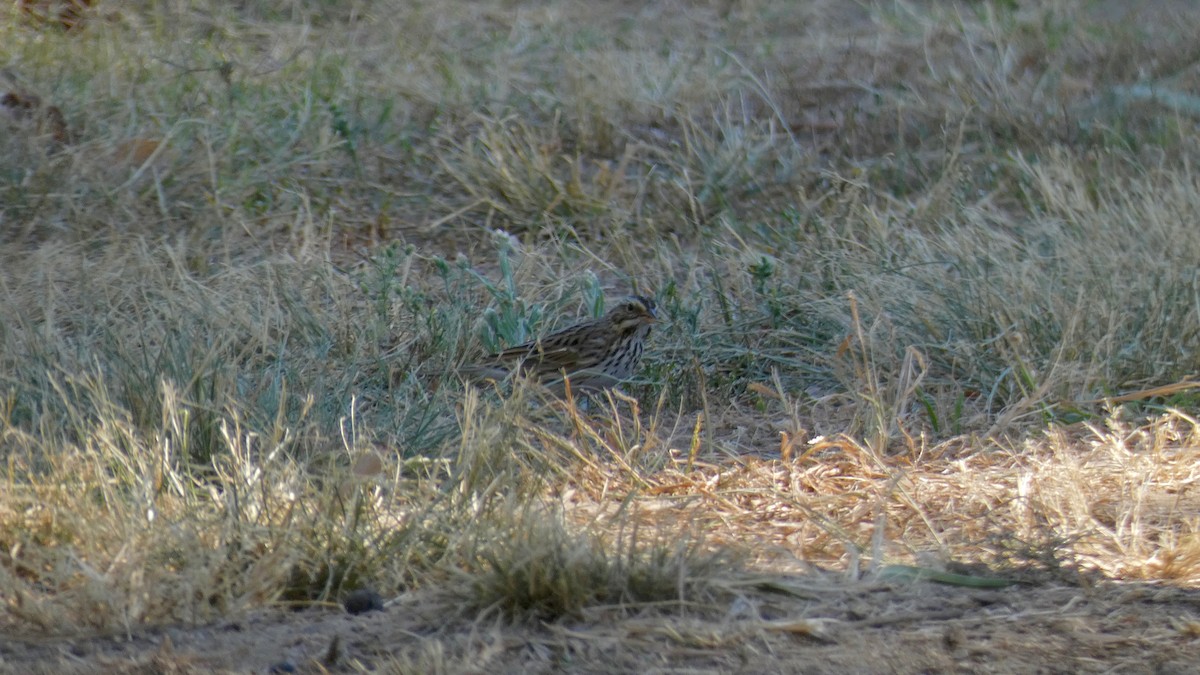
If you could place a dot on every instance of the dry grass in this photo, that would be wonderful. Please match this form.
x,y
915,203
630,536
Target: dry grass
x,y
904,254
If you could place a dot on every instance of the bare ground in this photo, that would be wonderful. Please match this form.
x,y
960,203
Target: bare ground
x,y
838,628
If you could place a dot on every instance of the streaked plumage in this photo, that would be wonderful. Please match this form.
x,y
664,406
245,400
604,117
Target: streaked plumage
x,y
595,354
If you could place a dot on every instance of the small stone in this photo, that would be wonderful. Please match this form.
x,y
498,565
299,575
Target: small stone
x,y
363,600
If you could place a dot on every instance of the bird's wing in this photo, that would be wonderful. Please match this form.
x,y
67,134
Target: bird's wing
x,y
542,356
568,348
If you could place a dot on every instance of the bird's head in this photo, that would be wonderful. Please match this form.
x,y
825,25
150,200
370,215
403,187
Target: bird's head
x,y
634,311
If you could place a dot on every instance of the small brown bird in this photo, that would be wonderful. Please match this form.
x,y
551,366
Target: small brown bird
x,y
595,354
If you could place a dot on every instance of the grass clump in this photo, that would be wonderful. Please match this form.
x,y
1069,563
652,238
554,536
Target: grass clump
x,y
534,564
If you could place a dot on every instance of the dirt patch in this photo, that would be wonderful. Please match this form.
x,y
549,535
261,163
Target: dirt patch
x,y
861,627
